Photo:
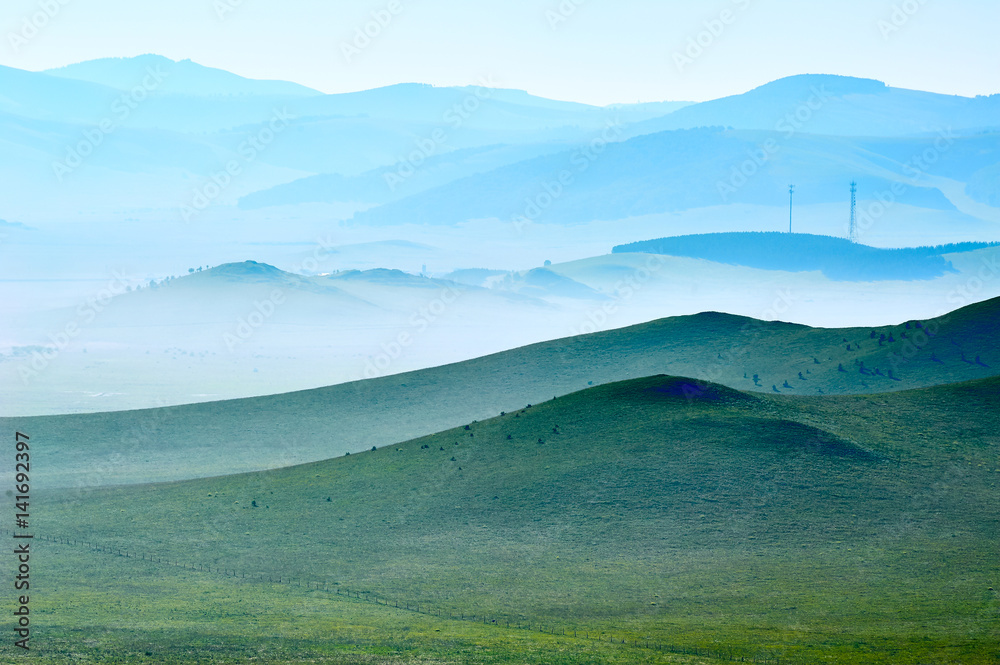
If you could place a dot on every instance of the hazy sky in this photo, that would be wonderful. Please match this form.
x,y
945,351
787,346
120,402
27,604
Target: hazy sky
x,y
596,51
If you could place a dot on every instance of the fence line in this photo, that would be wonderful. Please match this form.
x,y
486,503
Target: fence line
x,y
729,654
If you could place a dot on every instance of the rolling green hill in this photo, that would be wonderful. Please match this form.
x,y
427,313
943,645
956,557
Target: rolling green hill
x,y
254,434
837,529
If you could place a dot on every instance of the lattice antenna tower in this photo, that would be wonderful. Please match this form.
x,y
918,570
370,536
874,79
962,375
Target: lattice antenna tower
x,y
853,229
791,195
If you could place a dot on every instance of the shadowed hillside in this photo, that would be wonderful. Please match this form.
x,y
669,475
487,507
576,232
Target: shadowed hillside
x,y
267,432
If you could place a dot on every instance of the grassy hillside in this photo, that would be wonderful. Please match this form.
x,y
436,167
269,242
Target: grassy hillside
x,y
121,612
281,430
849,529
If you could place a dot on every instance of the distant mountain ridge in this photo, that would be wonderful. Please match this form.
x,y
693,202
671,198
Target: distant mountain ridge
x,y
837,258
835,105
479,152
692,168
181,77
122,127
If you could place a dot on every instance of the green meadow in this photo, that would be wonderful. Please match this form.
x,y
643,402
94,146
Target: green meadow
x,y
710,523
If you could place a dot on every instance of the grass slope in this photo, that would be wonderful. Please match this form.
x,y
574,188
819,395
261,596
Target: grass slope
x,y
847,529
121,612
268,432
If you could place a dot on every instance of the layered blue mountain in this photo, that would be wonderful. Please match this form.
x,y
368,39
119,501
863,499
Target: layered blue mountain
x,y
184,77
836,105
161,130
88,115
837,258
685,169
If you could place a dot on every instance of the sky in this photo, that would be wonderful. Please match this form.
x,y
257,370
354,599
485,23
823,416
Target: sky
x,y
593,51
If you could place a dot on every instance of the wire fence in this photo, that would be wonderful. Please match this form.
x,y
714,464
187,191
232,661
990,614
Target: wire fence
x,y
720,653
